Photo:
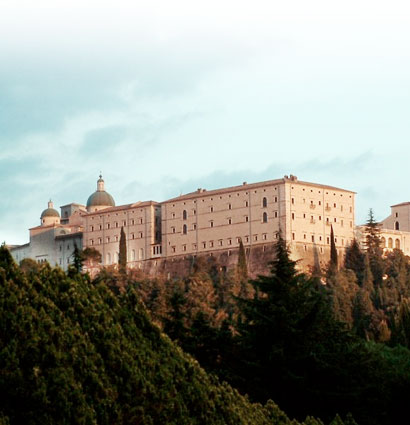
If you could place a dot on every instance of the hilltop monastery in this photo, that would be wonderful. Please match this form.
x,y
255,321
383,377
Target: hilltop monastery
x,y
210,223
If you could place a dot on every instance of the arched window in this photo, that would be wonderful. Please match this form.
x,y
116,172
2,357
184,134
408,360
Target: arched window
x,y
184,229
133,255
383,242
141,254
390,243
184,215
265,217
396,225
264,203
397,244
108,258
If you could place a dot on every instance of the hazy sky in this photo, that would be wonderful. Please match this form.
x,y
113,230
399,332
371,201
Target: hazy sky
x,y
167,96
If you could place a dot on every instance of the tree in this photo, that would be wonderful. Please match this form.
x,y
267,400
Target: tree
x,y
373,248
354,260
242,272
333,266
78,259
122,257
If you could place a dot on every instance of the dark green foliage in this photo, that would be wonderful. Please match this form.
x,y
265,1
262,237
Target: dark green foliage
x,y
373,249
333,266
78,259
354,260
122,257
73,352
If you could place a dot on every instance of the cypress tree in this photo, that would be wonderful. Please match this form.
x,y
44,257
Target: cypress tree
x,y
333,252
122,258
242,272
78,259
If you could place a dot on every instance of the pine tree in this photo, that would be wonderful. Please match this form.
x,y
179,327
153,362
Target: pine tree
x,y
354,260
122,257
373,248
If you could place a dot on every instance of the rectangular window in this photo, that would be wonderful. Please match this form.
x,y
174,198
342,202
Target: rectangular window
x,y
229,220
276,199
220,242
229,206
293,236
293,216
211,224
246,204
203,244
313,238
211,244
229,241
246,219
293,200
211,209
183,247
174,248
276,214
255,238
173,229
264,236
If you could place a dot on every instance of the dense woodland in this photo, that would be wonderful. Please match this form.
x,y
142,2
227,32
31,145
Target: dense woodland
x,y
113,349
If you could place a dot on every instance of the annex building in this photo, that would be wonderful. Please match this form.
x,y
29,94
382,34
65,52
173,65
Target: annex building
x,y
200,223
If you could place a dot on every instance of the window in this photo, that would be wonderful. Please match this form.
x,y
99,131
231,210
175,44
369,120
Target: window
x,y
255,238
211,209
264,236
108,239
108,225
397,214
276,214
108,258
396,226
313,238
116,224
173,229
194,226
293,216
140,235
133,256
184,248
246,204
293,236
92,229
184,229
211,244
229,220
229,241
211,224
173,216
383,242
276,199
397,244
264,203
390,243
246,218
220,242
203,244
229,206
184,215
265,217
173,248
293,201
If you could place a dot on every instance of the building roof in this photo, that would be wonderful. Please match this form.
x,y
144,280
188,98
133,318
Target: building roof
x,y
122,207
401,204
203,192
100,198
50,212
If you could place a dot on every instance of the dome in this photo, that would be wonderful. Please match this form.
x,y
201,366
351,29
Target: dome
x,y
100,198
50,212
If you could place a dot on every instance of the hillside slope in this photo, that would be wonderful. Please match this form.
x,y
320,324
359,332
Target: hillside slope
x,y
72,352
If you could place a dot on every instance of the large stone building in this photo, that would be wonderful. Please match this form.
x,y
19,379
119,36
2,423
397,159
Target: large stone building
x,y
199,223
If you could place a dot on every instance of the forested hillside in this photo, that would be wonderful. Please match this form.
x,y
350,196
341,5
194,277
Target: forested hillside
x,y
73,351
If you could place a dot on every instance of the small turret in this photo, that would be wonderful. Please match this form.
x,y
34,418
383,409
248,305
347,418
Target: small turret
x,y
50,216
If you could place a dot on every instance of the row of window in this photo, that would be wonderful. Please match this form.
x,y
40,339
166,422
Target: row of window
x,y
229,221
328,220
390,243
113,258
318,238
222,242
115,238
116,225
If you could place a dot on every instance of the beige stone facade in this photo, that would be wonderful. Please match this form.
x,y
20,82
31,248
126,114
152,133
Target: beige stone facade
x,y
204,222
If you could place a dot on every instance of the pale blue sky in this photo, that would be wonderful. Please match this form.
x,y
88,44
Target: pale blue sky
x,y
165,97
